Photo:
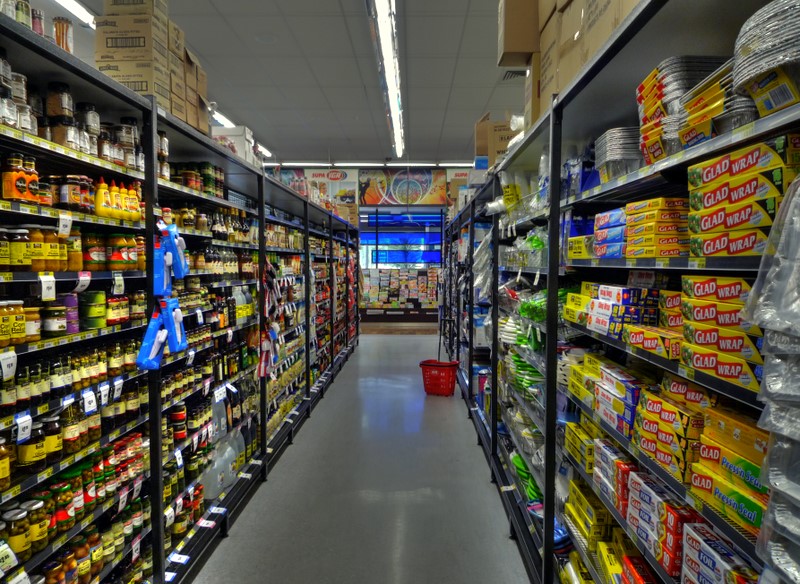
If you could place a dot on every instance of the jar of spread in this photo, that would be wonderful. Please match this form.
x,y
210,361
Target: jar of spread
x,y
69,193
33,324
87,114
125,135
5,250
45,194
64,132
19,533
31,455
44,131
15,181
20,250
94,252
63,257
17,321
37,249
54,321
74,251
8,107
59,101
40,522
51,255
19,89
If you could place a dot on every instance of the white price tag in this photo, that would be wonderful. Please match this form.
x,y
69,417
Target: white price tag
x,y
137,488
178,457
19,578
84,279
204,434
218,510
67,401
245,475
200,319
169,576
104,388
89,401
136,548
190,357
195,441
119,284
230,335
179,558
8,361
256,461
169,517
123,499
48,286
118,382
24,424
7,558
206,524
64,223
219,394
179,505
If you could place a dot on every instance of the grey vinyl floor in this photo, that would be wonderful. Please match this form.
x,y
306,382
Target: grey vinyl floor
x,y
382,485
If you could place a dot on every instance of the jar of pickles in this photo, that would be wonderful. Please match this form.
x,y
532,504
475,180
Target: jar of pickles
x,y
95,543
19,533
5,465
89,490
71,430
46,497
31,456
65,506
75,481
80,548
39,524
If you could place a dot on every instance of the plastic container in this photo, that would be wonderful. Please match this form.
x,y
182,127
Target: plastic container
x,y
439,377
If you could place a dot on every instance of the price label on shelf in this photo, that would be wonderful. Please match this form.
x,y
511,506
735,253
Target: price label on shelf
x,y
64,223
118,383
508,488
169,576
195,441
19,578
123,499
169,516
206,524
24,424
200,319
89,401
218,510
178,505
204,434
230,335
8,361
245,475
69,400
190,357
84,279
136,548
219,394
119,283
179,558
47,282
178,458
104,388
137,488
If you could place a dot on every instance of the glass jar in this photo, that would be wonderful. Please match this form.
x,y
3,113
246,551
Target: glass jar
x,y
87,114
70,566
46,497
73,478
17,321
19,533
59,101
15,178
118,527
202,222
105,145
5,465
8,107
64,132
39,522
64,33
5,66
37,21
26,121
83,137
23,13
20,250
54,321
79,546
31,455
54,573
94,252
109,551
33,324
51,255
71,429
95,549
37,250
125,135
53,439
19,89
44,131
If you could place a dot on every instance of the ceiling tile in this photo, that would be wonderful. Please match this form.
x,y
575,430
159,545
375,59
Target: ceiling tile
x,y
432,35
473,97
304,98
430,72
336,72
199,28
476,72
321,36
347,98
426,97
227,8
264,35
360,38
480,36
448,7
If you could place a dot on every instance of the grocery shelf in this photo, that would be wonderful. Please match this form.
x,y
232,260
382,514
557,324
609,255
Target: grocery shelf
x,y
233,329
588,558
126,551
483,194
229,283
174,189
32,277
534,470
285,250
529,410
234,245
725,388
69,340
33,210
737,264
170,359
519,498
285,222
524,270
192,232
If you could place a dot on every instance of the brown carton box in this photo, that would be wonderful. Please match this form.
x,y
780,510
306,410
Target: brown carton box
x,y
204,118
177,39
546,9
190,65
192,112
571,57
202,82
533,98
178,107
143,77
176,74
549,42
500,137
517,32
116,7
131,37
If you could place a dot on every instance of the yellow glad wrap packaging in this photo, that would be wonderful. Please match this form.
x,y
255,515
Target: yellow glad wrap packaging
x,y
664,343
742,243
723,366
760,213
657,203
717,289
770,184
736,431
731,502
733,467
725,340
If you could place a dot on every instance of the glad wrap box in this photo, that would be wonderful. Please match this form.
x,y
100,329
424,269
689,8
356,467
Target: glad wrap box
x,y
702,287
723,366
733,467
725,340
759,213
721,314
731,502
745,243
683,391
750,187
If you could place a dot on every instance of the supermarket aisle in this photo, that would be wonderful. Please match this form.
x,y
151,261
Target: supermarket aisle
x,y
382,485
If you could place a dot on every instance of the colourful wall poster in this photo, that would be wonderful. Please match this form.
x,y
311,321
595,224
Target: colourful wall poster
x,y
338,185
402,187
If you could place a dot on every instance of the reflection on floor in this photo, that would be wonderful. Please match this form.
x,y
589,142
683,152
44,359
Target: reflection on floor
x,y
399,328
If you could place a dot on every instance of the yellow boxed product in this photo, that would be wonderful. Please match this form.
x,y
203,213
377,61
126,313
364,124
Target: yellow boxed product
x,y
676,216
725,367
592,363
737,431
578,568
585,501
684,391
684,420
675,442
713,313
663,251
590,426
734,468
573,449
745,242
591,537
580,392
773,153
702,287
622,543
576,316
610,564
670,319
131,37
676,465
725,340
669,299
656,204
661,342
670,228
581,247
584,444
658,241
578,301
590,289
646,422
755,186
733,503
760,213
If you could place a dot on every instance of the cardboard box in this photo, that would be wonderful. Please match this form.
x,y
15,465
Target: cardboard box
x,y
725,340
190,65
202,82
664,343
177,83
657,203
500,136
581,247
760,213
737,431
731,502
204,124
723,314
533,96
546,9
143,77
726,367
633,231
684,391
683,420
192,110
117,7
718,289
517,32
658,251
570,42
710,556
178,106
549,43
177,40
749,187
735,468
131,37
242,139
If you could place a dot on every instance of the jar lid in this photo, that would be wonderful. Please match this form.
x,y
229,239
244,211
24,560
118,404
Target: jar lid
x,y
30,226
32,505
78,541
129,121
38,579
43,495
18,231
62,121
52,566
17,302
15,515
18,76
36,426
9,506
72,473
85,106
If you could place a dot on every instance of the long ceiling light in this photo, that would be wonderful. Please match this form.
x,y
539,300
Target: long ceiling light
x,y
263,150
79,11
223,120
383,16
456,164
308,164
359,164
409,164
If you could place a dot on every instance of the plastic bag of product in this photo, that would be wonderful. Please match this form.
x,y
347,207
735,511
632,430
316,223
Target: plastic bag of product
x,y
780,343
781,470
781,382
779,539
782,419
774,302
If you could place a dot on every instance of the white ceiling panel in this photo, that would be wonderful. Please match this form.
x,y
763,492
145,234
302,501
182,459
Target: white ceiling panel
x,y
470,98
336,72
480,36
426,97
347,98
228,7
476,72
433,35
430,72
321,36
447,7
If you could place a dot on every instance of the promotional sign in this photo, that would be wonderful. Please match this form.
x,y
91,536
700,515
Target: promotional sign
x,y
402,187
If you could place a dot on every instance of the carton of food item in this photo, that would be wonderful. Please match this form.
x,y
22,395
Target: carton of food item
x,y
745,242
749,187
670,319
580,247
725,340
682,419
664,343
654,228
578,301
760,213
721,314
770,154
669,299
619,294
609,250
735,468
664,251
658,216
610,235
576,316
684,391
658,241
723,366
707,554
737,431
612,218
657,204
730,290
625,312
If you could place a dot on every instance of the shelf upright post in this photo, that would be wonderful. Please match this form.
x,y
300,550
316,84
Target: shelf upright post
x,y
307,293
346,288
150,193
357,283
470,303
262,302
495,358
551,333
332,283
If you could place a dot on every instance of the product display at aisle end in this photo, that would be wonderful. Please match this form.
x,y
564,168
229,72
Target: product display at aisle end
x,y
644,334
138,287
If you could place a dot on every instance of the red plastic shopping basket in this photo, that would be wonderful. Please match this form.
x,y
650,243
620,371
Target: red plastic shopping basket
x,y
439,377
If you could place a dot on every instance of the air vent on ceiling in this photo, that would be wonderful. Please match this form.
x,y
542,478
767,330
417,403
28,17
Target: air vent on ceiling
x,y
512,74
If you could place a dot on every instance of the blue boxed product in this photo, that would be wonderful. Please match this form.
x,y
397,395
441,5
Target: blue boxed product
x,y
610,235
609,250
611,218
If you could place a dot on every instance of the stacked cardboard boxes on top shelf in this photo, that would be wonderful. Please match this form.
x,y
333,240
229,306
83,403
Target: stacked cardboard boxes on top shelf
x,y
139,46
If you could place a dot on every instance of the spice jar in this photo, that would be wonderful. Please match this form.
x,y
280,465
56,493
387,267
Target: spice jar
x,y
5,67
8,107
39,522
64,132
44,131
19,533
37,250
33,324
20,250
31,456
87,114
19,89
26,121
59,101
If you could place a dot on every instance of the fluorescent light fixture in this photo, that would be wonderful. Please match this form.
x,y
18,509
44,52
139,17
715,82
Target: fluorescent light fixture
x,y
271,164
264,151
359,164
308,164
383,15
222,119
456,164
408,164
79,11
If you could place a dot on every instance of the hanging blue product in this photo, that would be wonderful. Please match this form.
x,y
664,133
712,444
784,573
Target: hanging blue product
x,y
152,349
172,318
